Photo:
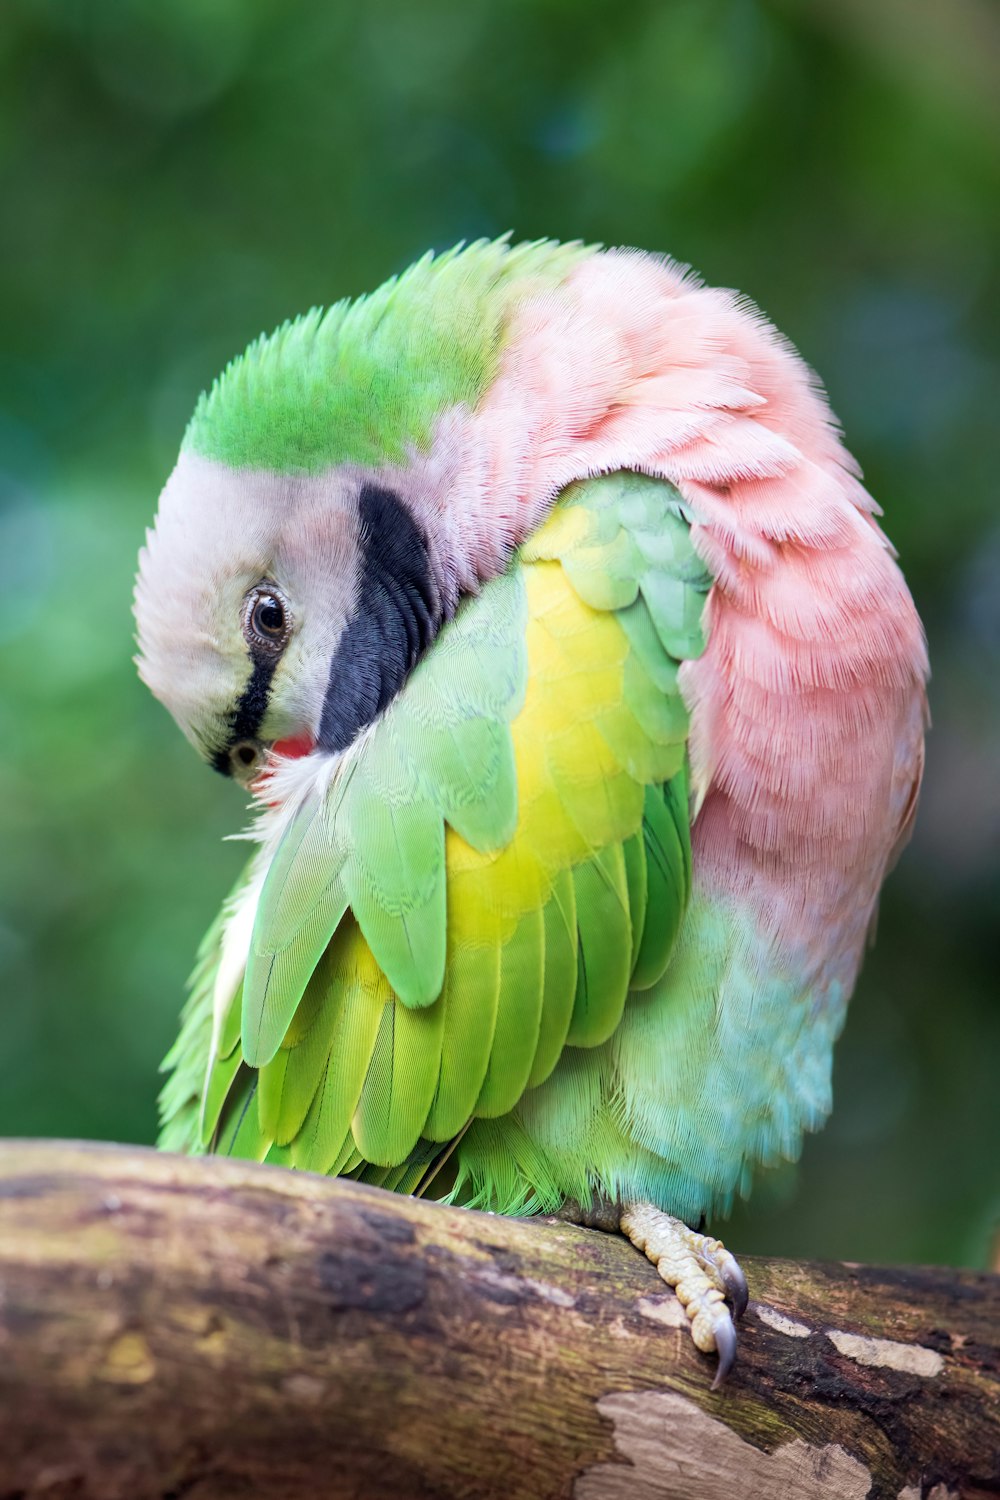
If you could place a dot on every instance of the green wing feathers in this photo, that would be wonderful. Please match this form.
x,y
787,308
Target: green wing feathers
x,y
465,906
376,842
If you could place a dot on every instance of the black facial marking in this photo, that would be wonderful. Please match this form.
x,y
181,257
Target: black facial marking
x,y
397,617
249,712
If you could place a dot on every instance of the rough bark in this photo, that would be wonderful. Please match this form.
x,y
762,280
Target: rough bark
x,y
217,1329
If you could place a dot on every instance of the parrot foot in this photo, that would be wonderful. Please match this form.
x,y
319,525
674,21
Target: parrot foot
x,y
701,1271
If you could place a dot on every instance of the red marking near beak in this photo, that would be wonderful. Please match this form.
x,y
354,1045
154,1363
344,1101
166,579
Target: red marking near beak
x,y
291,749
294,748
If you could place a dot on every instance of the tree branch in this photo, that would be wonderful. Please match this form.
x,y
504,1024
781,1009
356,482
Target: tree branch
x,y
213,1329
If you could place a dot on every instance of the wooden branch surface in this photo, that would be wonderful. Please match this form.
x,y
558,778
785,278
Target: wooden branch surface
x,y
210,1329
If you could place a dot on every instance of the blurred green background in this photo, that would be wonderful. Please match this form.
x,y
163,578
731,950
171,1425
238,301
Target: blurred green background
x,y
176,177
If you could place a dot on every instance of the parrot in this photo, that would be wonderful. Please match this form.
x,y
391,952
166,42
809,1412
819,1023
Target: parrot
x,y
537,604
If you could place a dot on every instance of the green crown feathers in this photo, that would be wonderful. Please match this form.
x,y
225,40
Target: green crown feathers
x,y
363,381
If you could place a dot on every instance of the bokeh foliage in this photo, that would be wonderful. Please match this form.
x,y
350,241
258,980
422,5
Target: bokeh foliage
x,y
177,177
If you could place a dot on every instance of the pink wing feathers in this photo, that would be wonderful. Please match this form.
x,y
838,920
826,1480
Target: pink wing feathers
x,y
808,707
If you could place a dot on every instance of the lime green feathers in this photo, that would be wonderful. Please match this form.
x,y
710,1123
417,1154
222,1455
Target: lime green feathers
x,y
364,381
468,901
376,842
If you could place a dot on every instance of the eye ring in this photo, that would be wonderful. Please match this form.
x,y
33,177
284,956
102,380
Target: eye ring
x,y
266,621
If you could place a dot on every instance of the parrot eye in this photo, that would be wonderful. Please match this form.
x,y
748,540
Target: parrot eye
x,y
265,619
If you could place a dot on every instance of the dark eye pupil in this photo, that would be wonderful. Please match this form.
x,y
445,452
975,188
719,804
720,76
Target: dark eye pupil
x,y
269,617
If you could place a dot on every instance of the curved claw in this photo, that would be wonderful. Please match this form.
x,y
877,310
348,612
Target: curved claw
x,y
725,1343
735,1283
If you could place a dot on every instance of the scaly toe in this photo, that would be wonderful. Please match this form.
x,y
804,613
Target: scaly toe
x,y
722,1267
702,1272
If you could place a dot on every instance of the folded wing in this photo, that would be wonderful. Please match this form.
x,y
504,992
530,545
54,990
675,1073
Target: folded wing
x,y
488,874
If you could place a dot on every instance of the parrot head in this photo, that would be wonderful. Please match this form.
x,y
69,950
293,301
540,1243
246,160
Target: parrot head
x,y
264,615
302,556
318,527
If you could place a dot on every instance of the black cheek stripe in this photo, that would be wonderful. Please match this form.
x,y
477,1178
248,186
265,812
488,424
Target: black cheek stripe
x,y
397,617
249,712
